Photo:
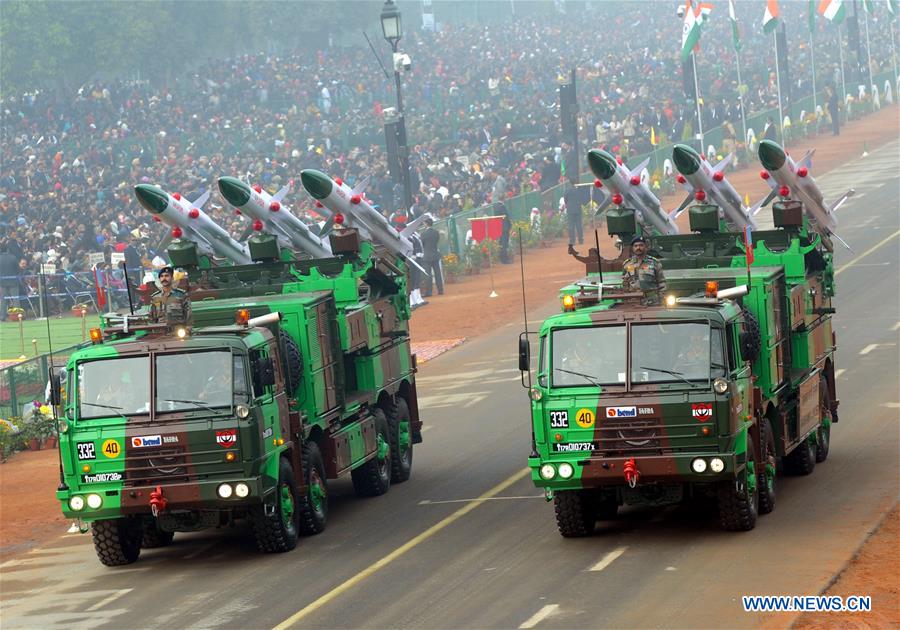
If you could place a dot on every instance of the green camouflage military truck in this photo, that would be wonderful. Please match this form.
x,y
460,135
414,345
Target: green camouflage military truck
x,y
292,373
702,396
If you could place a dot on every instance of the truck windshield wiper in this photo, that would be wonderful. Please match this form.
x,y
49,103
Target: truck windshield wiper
x,y
592,379
678,375
198,403
118,410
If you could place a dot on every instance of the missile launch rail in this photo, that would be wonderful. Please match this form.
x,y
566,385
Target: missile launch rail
x,y
291,374
701,396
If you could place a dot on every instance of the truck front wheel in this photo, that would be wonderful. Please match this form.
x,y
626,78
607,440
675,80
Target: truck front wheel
x,y
276,532
767,468
314,506
576,512
401,442
739,499
117,541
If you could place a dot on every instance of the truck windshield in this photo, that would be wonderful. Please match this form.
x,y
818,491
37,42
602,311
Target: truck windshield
x,y
113,387
195,380
588,356
684,351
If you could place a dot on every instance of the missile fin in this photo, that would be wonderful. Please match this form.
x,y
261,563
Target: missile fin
x,y
806,160
412,226
684,204
327,227
603,205
640,167
201,200
762,202
246,232
720,167
281,193
361,186
842,242
688,186
840,202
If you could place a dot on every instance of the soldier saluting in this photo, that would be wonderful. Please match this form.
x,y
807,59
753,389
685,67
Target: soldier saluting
x,y
644,273
169,305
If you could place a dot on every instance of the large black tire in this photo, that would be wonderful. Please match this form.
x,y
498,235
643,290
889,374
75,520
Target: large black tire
x,y
292,363
576,513
155,537
766,473
823,434
117,541
277,533
313,507
373,478
752,341
401,441
738,505
802,460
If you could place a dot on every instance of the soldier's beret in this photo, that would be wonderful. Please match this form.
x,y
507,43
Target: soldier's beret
x,y
638,239
167,269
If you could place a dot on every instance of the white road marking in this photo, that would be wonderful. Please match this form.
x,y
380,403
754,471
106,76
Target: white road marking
x,y
671,569
426,428
891,405
103,602
837,373
430,502
608,559
452,400
53,550
896,327
540,615
872,346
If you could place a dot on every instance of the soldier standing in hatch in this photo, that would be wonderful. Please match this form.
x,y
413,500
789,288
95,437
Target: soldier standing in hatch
x,y
169,305
644,273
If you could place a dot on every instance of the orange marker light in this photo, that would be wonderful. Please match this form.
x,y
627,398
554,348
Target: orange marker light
x,y
96,335
242,317
712,288
705,430
229,457
86,468
568,303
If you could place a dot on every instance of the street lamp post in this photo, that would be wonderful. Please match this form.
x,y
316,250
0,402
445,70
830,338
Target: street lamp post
x,y
392,29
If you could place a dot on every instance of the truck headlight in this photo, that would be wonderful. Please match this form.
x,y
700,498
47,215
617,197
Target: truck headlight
x,y
241,490
242,411
716,465
94,501
225,491
698,465
566,470
720,385
548,471
76,503
535,394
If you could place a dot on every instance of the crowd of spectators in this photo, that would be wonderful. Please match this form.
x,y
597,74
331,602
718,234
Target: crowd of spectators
x,y
481,107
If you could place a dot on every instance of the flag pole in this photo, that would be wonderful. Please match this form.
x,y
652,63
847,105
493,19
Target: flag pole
x,y
737,60
697,101
812,53
894,59
778,84
868,55
840,47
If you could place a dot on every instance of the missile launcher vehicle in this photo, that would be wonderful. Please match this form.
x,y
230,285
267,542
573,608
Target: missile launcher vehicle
x,y
291,373
701,396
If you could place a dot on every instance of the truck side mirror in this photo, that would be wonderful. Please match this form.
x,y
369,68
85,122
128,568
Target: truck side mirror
x,y
524,354
266,371
749,346
55,384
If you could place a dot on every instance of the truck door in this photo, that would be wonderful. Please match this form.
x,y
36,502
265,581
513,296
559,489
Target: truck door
x,y
739,375
326,358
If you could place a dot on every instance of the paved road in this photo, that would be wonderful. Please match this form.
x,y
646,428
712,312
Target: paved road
x,y
468,541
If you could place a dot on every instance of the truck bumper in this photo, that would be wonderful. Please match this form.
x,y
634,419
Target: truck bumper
x,y
594,472
200,495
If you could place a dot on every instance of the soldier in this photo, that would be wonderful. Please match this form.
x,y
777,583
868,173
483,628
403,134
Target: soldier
x,y
432,257
169,305
591,261
644,273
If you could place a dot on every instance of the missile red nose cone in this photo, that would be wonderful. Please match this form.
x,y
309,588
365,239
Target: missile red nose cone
x,y
717,176
275,206
700,195
177,196
802,172
176,232
680,178
617,199
194,213
764,174
355,199
635,180
258,225
598,183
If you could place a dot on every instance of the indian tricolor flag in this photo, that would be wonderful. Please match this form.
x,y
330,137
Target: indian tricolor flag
x,y
748,246
832,10
690,31
770,19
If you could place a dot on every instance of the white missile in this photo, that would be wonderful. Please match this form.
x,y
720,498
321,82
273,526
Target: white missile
x,y
787,179
188,221
628,189
268,213
349,208
704,181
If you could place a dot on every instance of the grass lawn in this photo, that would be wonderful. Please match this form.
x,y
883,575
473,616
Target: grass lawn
x,y
65,331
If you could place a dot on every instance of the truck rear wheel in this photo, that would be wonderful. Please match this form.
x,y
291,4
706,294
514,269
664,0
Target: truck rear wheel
x,y
117,541
739,499
313,507
373,478
802,460
823,435
767,468
153,536
401,442
576,513
277,532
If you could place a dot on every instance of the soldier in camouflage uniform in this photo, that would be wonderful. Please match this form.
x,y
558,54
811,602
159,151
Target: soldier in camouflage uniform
x,y
170,305
644,273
